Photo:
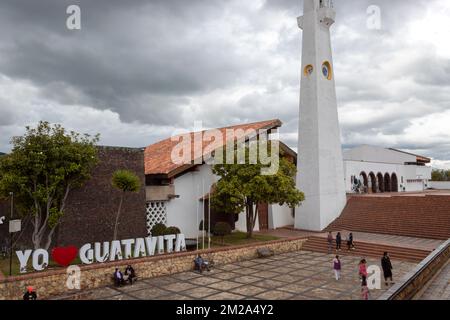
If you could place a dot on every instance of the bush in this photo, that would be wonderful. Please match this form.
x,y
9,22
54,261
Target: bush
x,y
172,230
158,229
221,229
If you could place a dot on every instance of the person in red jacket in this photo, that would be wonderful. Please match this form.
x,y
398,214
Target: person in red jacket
x,y
363,270
30,294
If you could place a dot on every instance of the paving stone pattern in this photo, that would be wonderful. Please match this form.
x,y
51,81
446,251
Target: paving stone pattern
x,y
300,275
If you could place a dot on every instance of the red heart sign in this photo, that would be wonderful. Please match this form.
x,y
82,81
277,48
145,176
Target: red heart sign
x,y
64,255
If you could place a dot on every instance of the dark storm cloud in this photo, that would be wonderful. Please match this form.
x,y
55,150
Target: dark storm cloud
x,y
116,61
147,67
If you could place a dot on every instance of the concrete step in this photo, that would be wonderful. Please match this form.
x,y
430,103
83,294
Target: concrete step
x,y
415,216
319,244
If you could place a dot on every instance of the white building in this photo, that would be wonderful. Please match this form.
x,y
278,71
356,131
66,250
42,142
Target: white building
x,y
374,169
178,195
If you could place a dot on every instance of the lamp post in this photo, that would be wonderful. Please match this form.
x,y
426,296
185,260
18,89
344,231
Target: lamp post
x,y
11,235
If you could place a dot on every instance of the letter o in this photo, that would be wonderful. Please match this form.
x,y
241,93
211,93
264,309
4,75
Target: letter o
x,y
40,254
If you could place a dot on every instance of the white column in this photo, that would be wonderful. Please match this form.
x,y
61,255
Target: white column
x,y
320,165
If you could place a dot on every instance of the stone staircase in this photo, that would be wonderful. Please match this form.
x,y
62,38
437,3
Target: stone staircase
x,y
426,216
366,249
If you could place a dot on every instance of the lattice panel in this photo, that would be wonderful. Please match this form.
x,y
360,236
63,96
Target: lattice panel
x,y
156,213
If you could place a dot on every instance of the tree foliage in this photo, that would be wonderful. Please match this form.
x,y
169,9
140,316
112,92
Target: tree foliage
x,y
125,181
158,229
45,164
242,187
440,175
221,229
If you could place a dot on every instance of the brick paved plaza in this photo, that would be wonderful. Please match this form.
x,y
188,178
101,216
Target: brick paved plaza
x,y
301,275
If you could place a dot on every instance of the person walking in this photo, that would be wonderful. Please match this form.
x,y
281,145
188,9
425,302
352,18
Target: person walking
x,y
350,244
337,267
330,242
364,290
338,241
386,265
363,270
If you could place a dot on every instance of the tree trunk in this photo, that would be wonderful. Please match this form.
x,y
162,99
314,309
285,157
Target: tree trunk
x,y
116,225
249,215
49,238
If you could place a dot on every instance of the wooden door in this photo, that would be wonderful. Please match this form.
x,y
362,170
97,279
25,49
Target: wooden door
x,y
263,216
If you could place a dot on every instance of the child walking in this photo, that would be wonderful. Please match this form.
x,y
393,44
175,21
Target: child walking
x,y
363,270
337,268
364,289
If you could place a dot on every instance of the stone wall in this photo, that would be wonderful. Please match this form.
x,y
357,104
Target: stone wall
x,y
50,283
413,282
90,210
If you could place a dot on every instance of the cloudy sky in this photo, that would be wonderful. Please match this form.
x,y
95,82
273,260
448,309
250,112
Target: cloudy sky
x,y
137,70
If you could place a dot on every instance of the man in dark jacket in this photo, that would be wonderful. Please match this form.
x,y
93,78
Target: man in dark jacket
x,y
129,272
387,268
30,294
350,244
338,241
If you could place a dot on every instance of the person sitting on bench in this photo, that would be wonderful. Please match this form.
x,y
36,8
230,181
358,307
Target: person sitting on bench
x,y
118,278
30,294
130,275
201,264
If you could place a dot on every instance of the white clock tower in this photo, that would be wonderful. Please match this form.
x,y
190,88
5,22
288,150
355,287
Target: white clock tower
x,y
320,165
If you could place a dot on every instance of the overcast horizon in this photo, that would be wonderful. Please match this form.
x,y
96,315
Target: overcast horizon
x,y
139,70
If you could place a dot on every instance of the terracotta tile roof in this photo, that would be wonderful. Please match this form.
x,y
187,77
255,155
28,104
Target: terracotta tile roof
x,y
158,155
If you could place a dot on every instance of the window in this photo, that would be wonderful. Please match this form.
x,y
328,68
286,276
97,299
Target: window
x,y
156,213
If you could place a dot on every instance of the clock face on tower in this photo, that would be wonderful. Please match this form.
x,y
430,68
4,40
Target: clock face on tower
x,y
308,70
326,70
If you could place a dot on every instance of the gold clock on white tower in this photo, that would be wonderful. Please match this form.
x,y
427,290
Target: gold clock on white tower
x,y
320,166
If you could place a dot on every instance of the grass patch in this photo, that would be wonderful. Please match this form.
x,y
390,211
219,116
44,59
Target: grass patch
x,y
238,237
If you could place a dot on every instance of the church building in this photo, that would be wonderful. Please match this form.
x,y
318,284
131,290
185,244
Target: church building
x,y
370,169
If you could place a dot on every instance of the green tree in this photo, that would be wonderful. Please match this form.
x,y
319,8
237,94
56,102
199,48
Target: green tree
x,y
125,181
440,175
45,164
242,187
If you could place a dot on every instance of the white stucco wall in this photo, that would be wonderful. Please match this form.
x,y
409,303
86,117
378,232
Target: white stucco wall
x,y
356,167
441,185
280,216
241,224
377,154
186,212
414,186
407,172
